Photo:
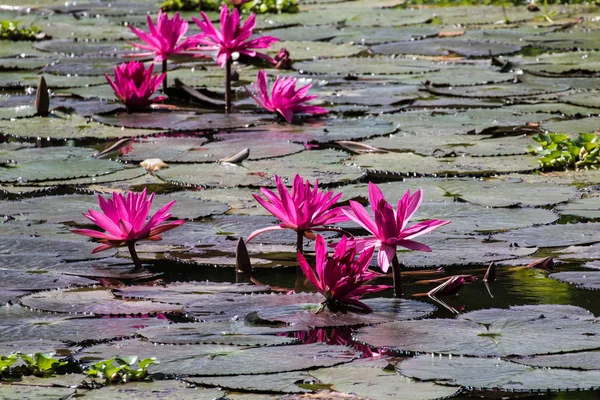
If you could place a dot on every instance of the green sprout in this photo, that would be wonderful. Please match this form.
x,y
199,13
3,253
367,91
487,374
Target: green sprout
x,y
38,364
558,151
190,5
9,30
121,369
271,7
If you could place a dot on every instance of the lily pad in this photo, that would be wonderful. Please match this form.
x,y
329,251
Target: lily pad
x,y
501,90
445,47
495,332
217,360
324,165
364,66
179,121
376,35
299,310
585,360
408,164
98,302
225,333
553,235
573,127
585,208
583,279
286,382
35,392
173,389
19,322
496,374
308,50
23,79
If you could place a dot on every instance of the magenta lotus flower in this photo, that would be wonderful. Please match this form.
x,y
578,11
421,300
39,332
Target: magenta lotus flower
x,y
390,226
284,99
341,278
231,38
124,220
164,39
134,84
302,210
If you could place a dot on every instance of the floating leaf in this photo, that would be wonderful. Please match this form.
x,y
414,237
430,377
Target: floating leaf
x,y
207,360
172,389
495,332
364,66
286,382
445,47
553,235
583,279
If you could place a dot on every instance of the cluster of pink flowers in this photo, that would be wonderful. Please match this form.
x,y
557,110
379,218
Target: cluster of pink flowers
x,y
134,85
341,278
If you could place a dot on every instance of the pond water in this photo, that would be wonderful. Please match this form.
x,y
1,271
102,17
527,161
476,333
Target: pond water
x,y
444,99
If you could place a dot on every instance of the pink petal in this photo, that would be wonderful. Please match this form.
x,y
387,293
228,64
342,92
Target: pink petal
x,y
263,230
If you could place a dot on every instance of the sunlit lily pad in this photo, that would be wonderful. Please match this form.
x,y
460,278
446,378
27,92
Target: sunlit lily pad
x,y
445,47
587,40
299,310
307,50
324,165
495,332
501,90
363,66
585,360
224,360
172,389
26,79
573,127
376,35
35,392
286,382
583,279
19,322
409,164
376,383
225,333
179,121
87,301
496,374
585,208
553,235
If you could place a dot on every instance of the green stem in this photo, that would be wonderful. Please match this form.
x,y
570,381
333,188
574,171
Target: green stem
x,y
134,256
301,281
228,85
164,70
397,277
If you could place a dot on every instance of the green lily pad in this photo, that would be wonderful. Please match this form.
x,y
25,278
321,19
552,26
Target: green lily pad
x,y
501,90
23,79
573,127
173,389
496,374
567,40
584,279
324,165
376,35
308,50
286,382
35,392
63,126
585,208
97,302
585,360
445,47
225,333
553,235
217,360
408,164
364,66
526,330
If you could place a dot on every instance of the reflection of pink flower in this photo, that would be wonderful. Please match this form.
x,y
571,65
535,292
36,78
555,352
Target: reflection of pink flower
x,y
333,336
341,279
231,38
134,84
284,99
163,39
302,210
124,220
389,226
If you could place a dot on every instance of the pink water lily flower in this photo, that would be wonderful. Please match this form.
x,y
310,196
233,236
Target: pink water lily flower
x,y
304,209
134,84
284,98
164,38
124,220
341,278
390,226
232,38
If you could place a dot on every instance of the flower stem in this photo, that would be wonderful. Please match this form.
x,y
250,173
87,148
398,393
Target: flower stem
x,y
134,256
228,86
397,277
164,70
301,281
300,241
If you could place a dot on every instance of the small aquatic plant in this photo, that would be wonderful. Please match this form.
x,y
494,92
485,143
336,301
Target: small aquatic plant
x,y
9,30
124,220
269,6
120,369
341,278
38,364
390,228
304,210
284,98
164,39
134,84
190,5
558,151
232,38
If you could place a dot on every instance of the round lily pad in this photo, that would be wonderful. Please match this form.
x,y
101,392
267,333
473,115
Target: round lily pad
x,y
179,121
583,279
31,78
585,360
64,126
363,66
19,322
88,301
585,208
573,127
553,235
299,310
581,99
376,35
171,389
35,392
408,164
308,50
286,382
445,47
324,166
216,360
496,374
567,40
501,90
493,332
192,149
225,333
